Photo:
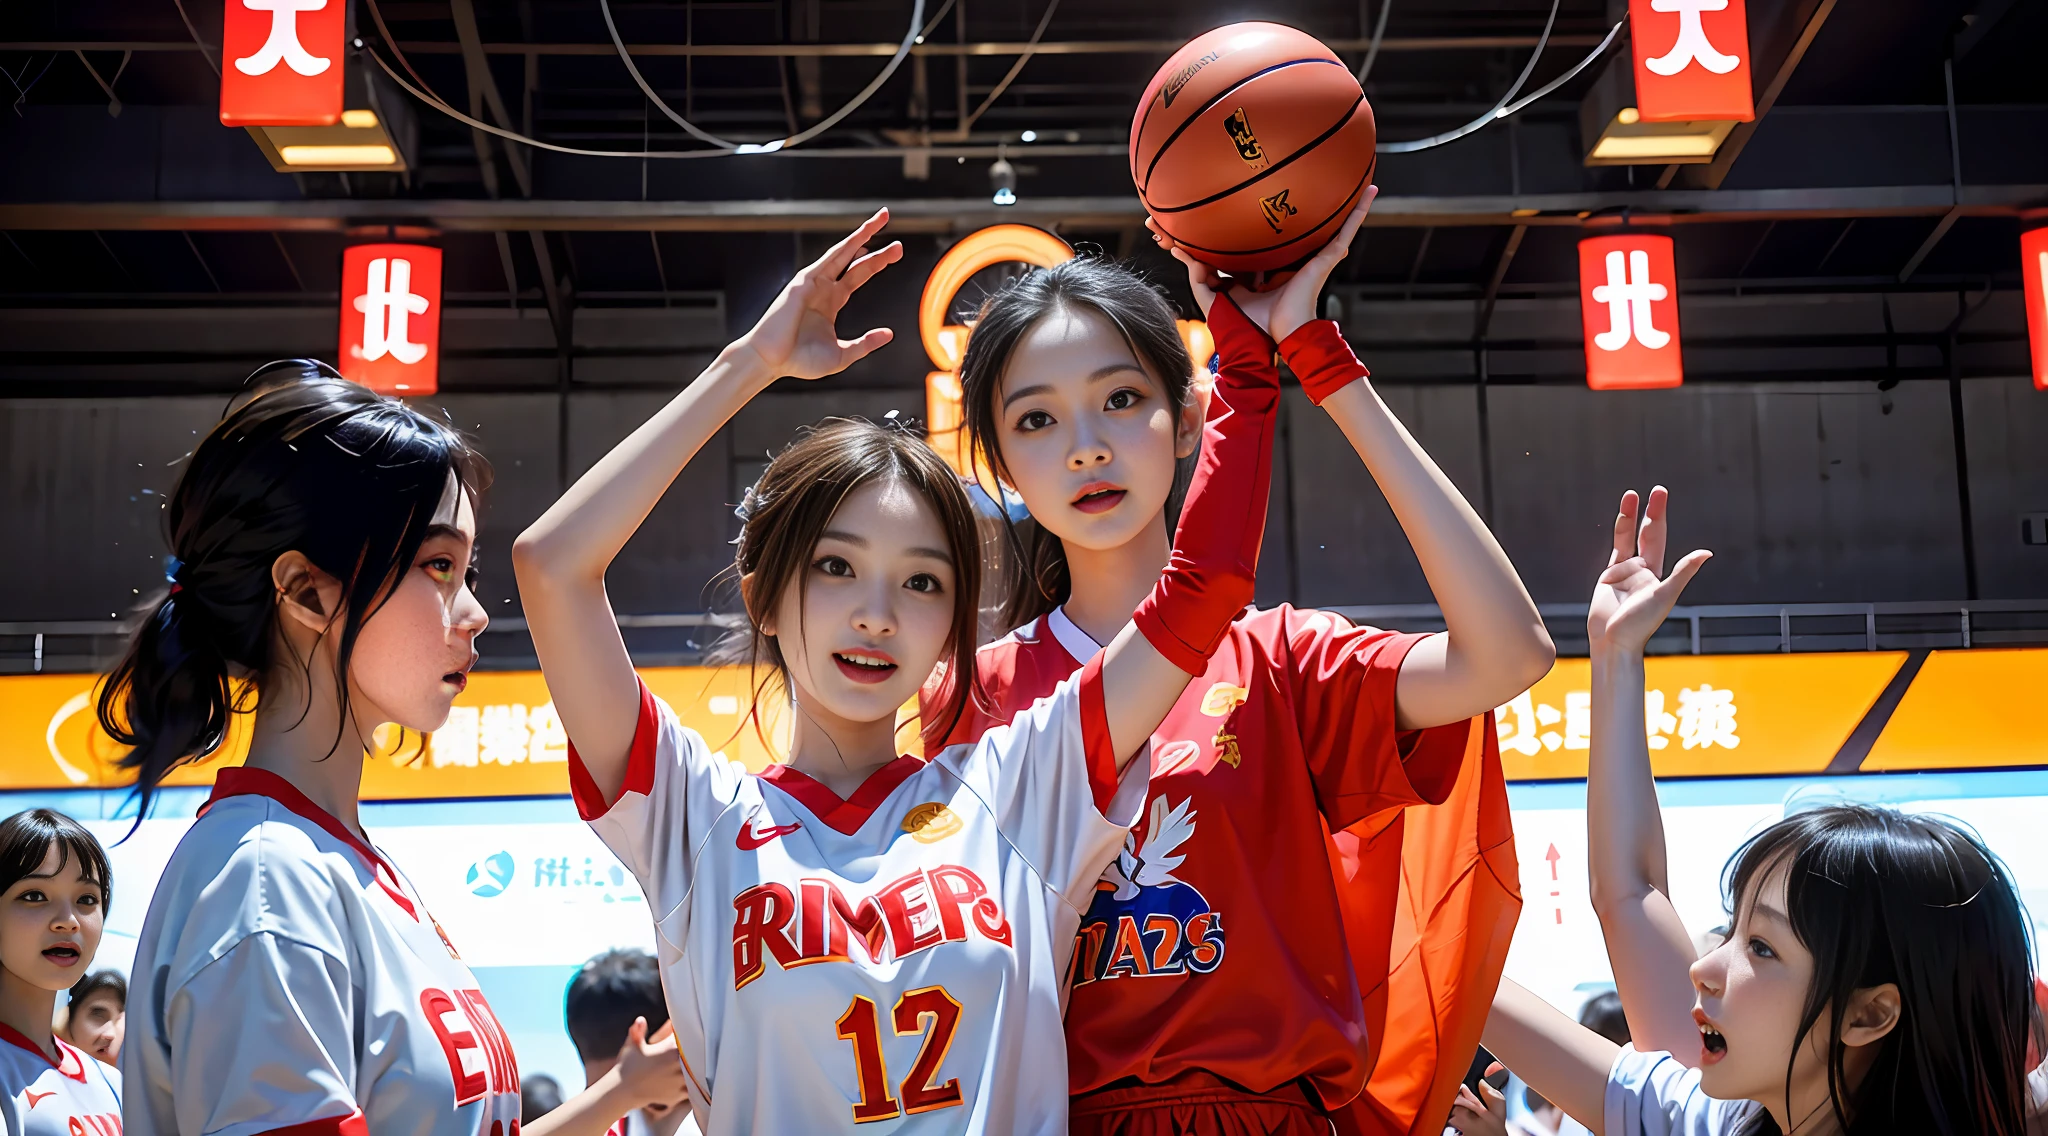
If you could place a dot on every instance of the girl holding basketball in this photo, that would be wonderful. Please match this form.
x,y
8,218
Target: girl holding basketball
x,y
1212,985
856,935
288,976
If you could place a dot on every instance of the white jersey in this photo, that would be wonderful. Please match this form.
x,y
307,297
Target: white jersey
x,y
894,959
289,977
76,1095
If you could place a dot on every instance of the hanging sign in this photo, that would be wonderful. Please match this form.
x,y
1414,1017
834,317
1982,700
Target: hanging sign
x,y
391,317
2034,272
1691,60
1628,295
281,62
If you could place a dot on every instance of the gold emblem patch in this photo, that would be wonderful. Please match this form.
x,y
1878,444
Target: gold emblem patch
x,y
1240,129
1222,699
1226,749
931,822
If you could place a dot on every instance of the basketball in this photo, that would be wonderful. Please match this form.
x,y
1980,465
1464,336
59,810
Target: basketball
x,y
1251,146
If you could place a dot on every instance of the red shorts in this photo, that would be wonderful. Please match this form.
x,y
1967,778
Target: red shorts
x,y
1196,1104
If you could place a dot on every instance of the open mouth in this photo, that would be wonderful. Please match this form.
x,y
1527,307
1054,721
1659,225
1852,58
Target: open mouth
x,y
864,667
63,954
1713,1046
1099,498
460,679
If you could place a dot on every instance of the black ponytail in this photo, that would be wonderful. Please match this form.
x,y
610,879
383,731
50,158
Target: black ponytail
x,y
303,461
1141,313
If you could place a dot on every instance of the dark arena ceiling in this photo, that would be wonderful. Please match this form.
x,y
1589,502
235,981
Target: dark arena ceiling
x,y
1897,146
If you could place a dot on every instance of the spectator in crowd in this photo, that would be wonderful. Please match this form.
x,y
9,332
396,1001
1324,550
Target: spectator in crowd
x,y
539,1095
617,996
1602,1014
98,1016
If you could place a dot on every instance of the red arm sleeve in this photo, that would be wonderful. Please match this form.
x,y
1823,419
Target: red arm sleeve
x,y
1344,677
1215,560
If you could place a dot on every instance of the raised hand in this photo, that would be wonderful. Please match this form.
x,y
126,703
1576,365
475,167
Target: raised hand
x,y
796,337
1630,602
652,1071
1281,310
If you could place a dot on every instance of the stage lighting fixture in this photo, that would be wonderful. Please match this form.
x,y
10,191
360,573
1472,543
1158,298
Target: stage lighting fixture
x,y
1030,136
1002,177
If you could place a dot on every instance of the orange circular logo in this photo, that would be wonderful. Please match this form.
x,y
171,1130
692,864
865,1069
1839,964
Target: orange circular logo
x,y
931,822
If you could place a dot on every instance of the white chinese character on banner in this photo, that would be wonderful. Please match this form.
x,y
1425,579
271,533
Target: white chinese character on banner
x,y
1657,723
283,46
455,743
387,312
1520,736
550,742
1627,295
1578,719
504,737
1706,718
1692,39
1548,715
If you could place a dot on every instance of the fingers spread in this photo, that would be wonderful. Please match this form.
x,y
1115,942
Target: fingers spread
x,y
864,269
1687,568
1625,528
853,351
840,255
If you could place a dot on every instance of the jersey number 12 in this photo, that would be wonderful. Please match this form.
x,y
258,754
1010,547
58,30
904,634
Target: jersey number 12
x,y
861,1024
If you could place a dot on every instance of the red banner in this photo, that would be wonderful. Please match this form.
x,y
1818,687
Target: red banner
x,y
391,317
282,62
1628,295
1692,60
2034,271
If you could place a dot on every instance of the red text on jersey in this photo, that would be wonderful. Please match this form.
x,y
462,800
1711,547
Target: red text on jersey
x,y
479,1054
816,922
97,1124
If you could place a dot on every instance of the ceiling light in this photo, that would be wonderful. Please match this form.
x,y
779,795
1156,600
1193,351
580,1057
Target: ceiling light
x,y
1655,147
359,119
1628,116
371,156
1030,136
1002,178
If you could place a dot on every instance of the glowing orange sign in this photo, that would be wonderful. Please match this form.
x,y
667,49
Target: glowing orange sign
x,y
282,62
1628,296
2034,271
1691,60
391,317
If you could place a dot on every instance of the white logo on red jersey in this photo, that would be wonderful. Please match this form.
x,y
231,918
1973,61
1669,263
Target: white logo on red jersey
x,y
479,1054
919,911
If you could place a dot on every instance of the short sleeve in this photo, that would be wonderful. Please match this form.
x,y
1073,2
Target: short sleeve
x,y
675,788
1343,678
283,1060
1050,777
1652,1094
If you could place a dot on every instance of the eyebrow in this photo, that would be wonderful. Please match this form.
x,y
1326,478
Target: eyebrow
x,y
1769,912
1095,376
862,542
440,530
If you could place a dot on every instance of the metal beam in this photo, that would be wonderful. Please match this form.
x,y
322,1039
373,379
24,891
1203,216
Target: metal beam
x,y
800,50
1711,175
1941,229
927,214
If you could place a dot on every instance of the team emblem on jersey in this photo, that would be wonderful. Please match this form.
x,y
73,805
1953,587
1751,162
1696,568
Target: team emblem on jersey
x,y
1222,699
816,922
931,822
1145,922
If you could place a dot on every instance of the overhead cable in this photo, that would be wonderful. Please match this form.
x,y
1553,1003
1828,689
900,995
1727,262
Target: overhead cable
x,y
1507,106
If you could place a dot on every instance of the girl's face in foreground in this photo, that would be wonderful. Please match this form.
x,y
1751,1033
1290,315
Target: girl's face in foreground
x,y
50,923
414,652
1751,994
864,625
1088,435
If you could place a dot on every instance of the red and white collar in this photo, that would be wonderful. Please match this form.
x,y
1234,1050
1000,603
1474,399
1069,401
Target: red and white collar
x,y
243,781
845,816
72,1065
1069,635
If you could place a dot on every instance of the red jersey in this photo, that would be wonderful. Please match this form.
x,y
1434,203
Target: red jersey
x,y
1217,940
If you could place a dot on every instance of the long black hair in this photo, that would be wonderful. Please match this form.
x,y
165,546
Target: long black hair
x,y
304,461
1879,896
1139,311
27,837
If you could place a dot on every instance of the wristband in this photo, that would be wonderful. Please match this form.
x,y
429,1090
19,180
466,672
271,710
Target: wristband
x,y
1318,355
